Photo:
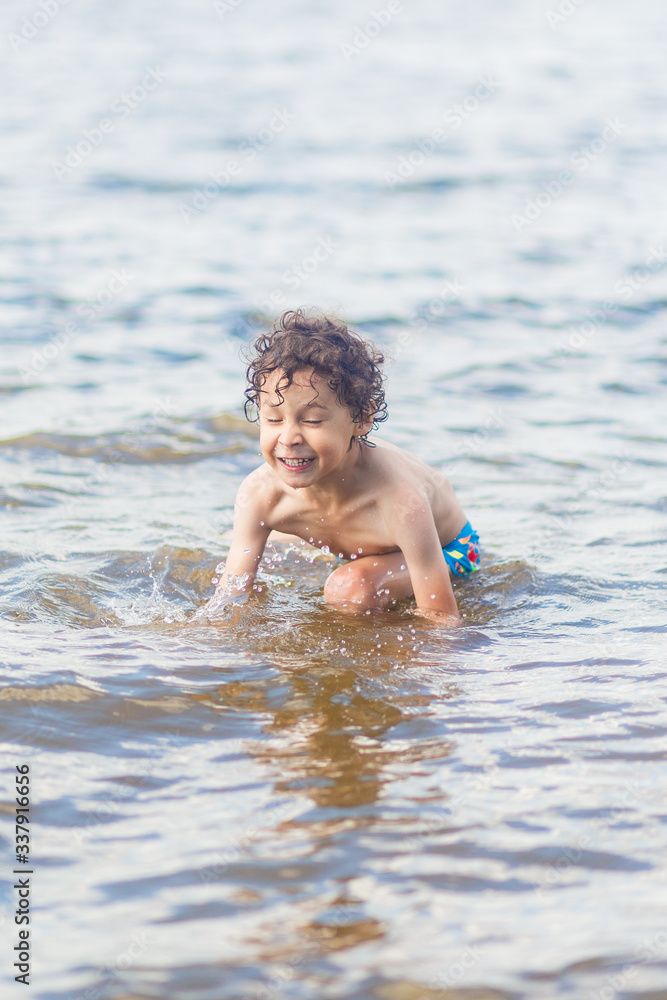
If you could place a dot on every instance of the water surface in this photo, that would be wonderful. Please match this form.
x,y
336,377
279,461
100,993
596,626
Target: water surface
x,y
297,803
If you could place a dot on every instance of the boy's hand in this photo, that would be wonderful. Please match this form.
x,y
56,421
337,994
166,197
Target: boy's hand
x,y
439,617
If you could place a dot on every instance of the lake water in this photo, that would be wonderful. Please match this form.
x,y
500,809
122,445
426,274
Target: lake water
x,y
302,804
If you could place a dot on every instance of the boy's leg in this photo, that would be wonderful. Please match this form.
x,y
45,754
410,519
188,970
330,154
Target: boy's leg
x,y
369,582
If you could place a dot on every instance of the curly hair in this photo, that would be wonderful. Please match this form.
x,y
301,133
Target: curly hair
x,y
350,365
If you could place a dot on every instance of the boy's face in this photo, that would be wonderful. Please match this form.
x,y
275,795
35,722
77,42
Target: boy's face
x,y
305,437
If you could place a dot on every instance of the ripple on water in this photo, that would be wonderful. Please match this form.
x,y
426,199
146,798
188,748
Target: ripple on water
x,y
145,445
290,800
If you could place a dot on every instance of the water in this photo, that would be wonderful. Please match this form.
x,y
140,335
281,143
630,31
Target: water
x,y
295,803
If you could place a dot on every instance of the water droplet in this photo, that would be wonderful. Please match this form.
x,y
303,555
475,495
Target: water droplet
x,y
214,579
262,523
246,551
400,638
432,597
353,555
360,551
326,550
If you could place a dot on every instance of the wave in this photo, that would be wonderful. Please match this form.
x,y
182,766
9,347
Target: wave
x,y
148,441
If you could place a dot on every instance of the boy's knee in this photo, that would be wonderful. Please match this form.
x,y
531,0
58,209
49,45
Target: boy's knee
x,y
348,585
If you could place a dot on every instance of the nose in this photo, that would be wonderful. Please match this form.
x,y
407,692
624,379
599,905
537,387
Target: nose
x,y
290,434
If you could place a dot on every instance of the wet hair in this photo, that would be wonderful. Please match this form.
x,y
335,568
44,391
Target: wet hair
x,y
350,364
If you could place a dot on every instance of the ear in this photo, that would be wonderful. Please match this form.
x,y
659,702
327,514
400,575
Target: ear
x,y
364,425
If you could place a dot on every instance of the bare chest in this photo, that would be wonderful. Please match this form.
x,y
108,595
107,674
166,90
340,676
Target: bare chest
x,y
358,529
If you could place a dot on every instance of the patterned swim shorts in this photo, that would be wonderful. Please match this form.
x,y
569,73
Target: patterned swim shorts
x,y
462,554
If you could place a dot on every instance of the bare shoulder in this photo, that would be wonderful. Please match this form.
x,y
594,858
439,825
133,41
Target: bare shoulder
x,y
409,487
259,493
405,469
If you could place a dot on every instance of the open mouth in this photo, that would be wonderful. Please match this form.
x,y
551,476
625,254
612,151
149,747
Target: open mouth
x,y
296,463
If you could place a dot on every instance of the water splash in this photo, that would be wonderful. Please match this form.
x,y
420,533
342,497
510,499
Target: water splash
x,y
228,594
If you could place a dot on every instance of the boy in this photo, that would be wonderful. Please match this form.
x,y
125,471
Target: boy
x,y
317,391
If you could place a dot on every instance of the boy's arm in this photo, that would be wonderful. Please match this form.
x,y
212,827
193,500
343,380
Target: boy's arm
x,y
417,537
250,535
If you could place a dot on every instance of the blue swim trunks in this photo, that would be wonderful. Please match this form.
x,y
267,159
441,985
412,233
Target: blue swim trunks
x,y
462,555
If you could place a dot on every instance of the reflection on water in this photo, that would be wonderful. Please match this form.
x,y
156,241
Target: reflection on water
x,y
287,801
330,741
